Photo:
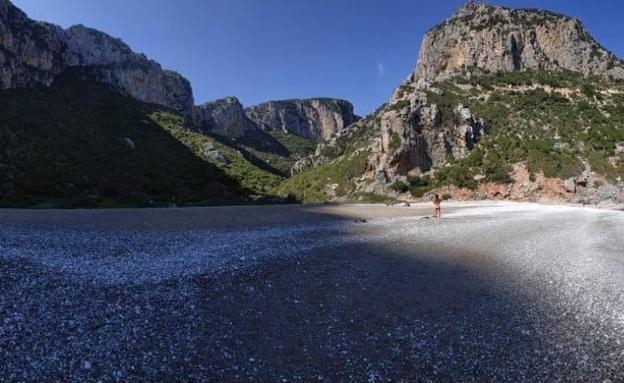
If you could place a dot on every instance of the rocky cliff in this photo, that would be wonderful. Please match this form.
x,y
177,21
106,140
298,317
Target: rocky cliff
x,y
497,39
319,118
504,81
225,117
34,53
414,134
31,53
109,60
477,39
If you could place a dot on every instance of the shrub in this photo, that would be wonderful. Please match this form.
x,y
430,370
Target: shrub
x,y
399,105
419,180
395,141
458,175
400,186
418,186
291,198
419,191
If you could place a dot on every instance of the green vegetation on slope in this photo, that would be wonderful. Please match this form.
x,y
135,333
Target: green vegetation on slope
x,y
278,150
554,123
327,181
358,136
236,165
550,121
79,143
347,162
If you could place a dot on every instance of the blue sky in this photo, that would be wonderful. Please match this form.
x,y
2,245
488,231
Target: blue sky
x,y
259,50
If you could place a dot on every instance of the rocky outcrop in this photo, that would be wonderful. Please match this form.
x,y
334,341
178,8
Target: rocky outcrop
x,y
31,53
225,117
109,60
497,39
421,128
415,138
482,39
319,118
34,53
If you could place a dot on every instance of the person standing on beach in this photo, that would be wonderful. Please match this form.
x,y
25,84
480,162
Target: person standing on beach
x,y
437,202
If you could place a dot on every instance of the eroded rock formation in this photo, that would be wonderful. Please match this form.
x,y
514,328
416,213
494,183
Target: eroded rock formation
x,y
319,118
413,136
497,39
225,117
34,53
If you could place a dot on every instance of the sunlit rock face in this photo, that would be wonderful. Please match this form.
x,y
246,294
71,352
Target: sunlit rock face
x,y
412,135
486,39
225,117
414,138
33,53
497,39
318,118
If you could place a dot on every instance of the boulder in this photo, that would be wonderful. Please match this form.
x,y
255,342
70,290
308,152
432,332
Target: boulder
x,y
570,185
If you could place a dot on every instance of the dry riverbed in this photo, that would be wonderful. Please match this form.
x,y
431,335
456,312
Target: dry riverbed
x,y
493,292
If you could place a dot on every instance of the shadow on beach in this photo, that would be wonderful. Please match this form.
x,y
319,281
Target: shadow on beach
x,y
377,310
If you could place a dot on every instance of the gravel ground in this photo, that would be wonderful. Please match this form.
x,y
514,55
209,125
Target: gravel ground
x,y
493,292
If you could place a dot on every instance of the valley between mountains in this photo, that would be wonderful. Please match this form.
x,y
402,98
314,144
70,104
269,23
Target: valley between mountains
x,y
519,104
122,258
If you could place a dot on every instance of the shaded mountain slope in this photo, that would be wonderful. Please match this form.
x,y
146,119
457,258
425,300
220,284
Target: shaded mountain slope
x,y
79,143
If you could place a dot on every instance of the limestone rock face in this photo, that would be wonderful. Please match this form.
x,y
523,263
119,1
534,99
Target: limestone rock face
x,y
497,39
87,47
486,39
34,53
415,139
225,117
31,53
412,135
312,118
109,60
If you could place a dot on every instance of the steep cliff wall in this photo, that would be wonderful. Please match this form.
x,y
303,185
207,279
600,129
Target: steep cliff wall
x,y
312,118
225,117
526,71
34,53
31,52
497,39
477,39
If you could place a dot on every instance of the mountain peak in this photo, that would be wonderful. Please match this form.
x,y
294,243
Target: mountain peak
x,y
471,7
497,39
35,53
474,8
